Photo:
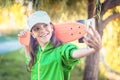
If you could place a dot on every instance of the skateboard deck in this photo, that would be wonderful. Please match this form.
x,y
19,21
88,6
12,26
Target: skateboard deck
x,y
66,32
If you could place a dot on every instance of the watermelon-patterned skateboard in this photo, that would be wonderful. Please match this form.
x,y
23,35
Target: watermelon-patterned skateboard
x,y
66,32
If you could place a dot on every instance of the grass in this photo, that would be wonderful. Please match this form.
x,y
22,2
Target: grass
x,y
12,67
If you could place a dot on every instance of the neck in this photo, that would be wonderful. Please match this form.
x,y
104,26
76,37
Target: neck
x,y
42,44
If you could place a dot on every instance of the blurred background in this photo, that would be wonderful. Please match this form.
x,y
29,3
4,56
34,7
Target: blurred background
x,y
13,16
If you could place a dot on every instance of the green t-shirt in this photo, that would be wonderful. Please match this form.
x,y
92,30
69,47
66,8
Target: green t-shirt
x,y
54,63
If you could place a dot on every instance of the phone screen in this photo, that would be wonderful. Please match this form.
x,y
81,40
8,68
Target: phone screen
x,y
89,22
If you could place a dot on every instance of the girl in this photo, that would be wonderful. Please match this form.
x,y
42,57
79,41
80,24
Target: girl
x,y
47,57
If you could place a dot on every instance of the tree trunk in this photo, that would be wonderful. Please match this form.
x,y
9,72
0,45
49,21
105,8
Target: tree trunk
x,y
91,63
91,67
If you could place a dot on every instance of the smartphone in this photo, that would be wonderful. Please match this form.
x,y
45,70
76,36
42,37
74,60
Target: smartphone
x,y
87,23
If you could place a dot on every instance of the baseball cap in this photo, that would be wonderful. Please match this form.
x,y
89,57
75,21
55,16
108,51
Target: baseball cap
x,y
38,17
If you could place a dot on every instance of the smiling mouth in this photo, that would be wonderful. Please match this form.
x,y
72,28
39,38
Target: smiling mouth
x,y
44,35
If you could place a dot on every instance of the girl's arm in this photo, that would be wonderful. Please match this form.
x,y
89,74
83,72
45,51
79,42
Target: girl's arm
x,y
94,41
82,52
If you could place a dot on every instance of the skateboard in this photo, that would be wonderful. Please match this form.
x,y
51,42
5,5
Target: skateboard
x,y
66,32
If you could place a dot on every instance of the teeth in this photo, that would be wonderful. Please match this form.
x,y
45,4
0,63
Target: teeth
x,y
43,35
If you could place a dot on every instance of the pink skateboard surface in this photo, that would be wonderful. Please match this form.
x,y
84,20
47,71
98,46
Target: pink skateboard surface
x,y
66,32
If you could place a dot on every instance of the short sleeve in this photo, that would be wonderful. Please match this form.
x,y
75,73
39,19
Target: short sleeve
x,y
66,53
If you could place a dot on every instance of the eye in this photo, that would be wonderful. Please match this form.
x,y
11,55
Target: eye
x,y
45,25
36,28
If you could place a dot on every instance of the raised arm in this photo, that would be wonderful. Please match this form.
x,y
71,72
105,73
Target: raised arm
x,y
94,43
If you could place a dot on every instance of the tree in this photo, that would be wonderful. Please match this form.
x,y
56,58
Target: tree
x,y
91,67
99,9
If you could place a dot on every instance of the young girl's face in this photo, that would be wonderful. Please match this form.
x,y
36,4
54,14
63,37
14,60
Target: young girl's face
x,y
42,32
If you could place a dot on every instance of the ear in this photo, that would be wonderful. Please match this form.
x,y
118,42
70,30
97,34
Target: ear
x,y
52,26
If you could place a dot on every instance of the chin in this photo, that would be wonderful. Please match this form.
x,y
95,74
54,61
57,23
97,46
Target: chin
x,y
45,40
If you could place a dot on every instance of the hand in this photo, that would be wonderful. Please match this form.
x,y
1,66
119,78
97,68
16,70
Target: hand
x,y
24,38
94,40
22,33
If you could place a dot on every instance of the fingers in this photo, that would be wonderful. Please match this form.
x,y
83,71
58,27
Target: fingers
x,y
22,33
93,30
95,33
90,42
93,40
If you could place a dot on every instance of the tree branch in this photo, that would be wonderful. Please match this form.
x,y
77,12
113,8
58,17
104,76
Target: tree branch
x,y
109,4
91,6
110,18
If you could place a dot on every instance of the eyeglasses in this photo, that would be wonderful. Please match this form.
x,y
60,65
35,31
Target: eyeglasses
x,y
39,28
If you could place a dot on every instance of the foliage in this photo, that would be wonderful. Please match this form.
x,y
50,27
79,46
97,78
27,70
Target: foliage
x,y
6,3
12,19
12,66
111,12
64,10
111,44
14,14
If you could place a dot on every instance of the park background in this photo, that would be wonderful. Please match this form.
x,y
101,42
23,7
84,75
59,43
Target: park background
x,y
13,15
